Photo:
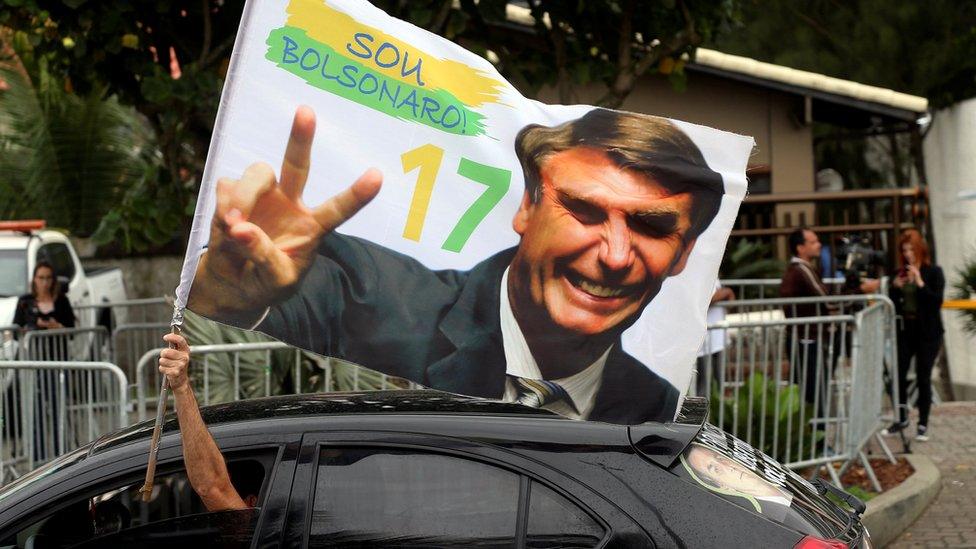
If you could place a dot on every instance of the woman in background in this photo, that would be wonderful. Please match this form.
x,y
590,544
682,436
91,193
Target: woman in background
x,y
917,291
46,307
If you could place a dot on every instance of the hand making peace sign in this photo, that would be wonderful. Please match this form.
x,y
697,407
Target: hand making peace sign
x,y
262,238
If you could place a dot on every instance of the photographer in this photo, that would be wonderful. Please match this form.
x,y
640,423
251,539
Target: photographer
x,y
817,345
45,307
917,292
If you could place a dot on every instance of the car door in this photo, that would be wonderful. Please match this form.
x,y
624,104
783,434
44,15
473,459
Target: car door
x,y
97,503
386,489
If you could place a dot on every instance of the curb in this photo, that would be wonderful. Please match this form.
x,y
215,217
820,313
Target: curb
x,y
892,512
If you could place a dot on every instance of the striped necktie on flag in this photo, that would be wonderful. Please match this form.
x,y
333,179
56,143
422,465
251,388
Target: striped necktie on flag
x,y
539,392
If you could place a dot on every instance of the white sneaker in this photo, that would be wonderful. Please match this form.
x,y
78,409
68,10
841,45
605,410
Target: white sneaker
x,y
923,434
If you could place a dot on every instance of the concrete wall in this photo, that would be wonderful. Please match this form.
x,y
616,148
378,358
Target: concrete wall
x,y
950,158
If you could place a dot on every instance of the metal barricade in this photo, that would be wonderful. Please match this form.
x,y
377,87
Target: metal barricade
x,y
8,341
54,407
131,341
90,344
768,288
112,314
808,390
218,374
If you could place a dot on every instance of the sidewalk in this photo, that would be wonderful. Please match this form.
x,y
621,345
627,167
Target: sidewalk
x,y
951,519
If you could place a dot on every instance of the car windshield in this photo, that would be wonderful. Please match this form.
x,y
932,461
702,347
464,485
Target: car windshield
x,y
13,272
42,472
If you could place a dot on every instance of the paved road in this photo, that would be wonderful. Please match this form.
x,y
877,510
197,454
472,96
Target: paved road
x,y
951,519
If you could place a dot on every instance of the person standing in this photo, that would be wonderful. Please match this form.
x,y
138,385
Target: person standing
x,y
46,306
709,363
917,292
814,342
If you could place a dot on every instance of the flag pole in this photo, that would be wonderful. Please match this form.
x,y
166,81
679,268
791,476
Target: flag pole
x,y
147,486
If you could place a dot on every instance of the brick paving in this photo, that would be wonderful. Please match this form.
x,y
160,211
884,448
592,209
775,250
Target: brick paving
x,y
950,521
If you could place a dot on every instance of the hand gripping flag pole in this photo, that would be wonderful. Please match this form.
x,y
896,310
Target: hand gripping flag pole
x,y
147,486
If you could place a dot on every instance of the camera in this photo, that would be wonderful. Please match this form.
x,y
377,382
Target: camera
x,y
859,259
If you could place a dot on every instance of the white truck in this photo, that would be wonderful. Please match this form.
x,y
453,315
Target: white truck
x,y
24,243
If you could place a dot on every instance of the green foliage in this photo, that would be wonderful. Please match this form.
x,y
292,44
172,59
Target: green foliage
x,y
860,493
69,158
255,368
925,48
751,259
129,50
774,416
964,287
124,50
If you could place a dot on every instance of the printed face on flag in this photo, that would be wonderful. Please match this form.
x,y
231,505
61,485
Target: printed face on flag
x,y
378,194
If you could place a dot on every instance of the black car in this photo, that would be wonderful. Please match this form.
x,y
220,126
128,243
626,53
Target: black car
x,y
428,469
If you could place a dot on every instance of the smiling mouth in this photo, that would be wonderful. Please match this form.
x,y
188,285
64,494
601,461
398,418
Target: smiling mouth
x,y
595,289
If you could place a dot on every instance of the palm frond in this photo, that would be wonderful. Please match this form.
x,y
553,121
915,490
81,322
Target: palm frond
x,y
68,158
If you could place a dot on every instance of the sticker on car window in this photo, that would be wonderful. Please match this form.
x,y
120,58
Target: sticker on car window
x,y
723,475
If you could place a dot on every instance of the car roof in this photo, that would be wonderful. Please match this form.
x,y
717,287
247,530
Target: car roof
x,y
329,404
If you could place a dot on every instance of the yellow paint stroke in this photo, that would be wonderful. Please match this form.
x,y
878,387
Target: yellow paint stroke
x,y
471,86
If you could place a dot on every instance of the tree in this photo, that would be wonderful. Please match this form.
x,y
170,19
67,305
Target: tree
x,y
566,44
66,157
923,48
168,58
165,58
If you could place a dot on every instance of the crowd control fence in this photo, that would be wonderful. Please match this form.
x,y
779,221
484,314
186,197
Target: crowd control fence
x,y
234,371
768,288
151,310
807,390
52,407
88,344
130,342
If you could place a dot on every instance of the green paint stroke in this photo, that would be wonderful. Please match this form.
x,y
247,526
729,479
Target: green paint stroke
x,y
321,66
497,180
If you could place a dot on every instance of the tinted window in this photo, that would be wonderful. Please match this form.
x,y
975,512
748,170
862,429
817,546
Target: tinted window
x,y
224,529
13,273
554,521
59,257
394,498
117,515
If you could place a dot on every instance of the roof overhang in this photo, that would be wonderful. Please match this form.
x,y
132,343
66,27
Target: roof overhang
x,y
837,98
833,100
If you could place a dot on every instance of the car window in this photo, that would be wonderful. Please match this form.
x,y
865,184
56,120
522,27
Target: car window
x,y
377,497
117,513
224,529
59,257
555,521
13,273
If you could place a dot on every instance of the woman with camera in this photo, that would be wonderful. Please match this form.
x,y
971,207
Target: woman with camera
x,y
45,307
917,291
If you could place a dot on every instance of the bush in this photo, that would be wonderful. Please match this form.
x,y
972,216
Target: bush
x,y
964,287
773,417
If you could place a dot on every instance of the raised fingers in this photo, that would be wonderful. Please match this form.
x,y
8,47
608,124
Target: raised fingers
x,y
336,210
298,153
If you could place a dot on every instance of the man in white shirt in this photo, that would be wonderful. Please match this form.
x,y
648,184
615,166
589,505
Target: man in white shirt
x,y
709,373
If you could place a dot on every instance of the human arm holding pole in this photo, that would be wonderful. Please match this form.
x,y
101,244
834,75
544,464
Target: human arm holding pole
x,y
205,465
